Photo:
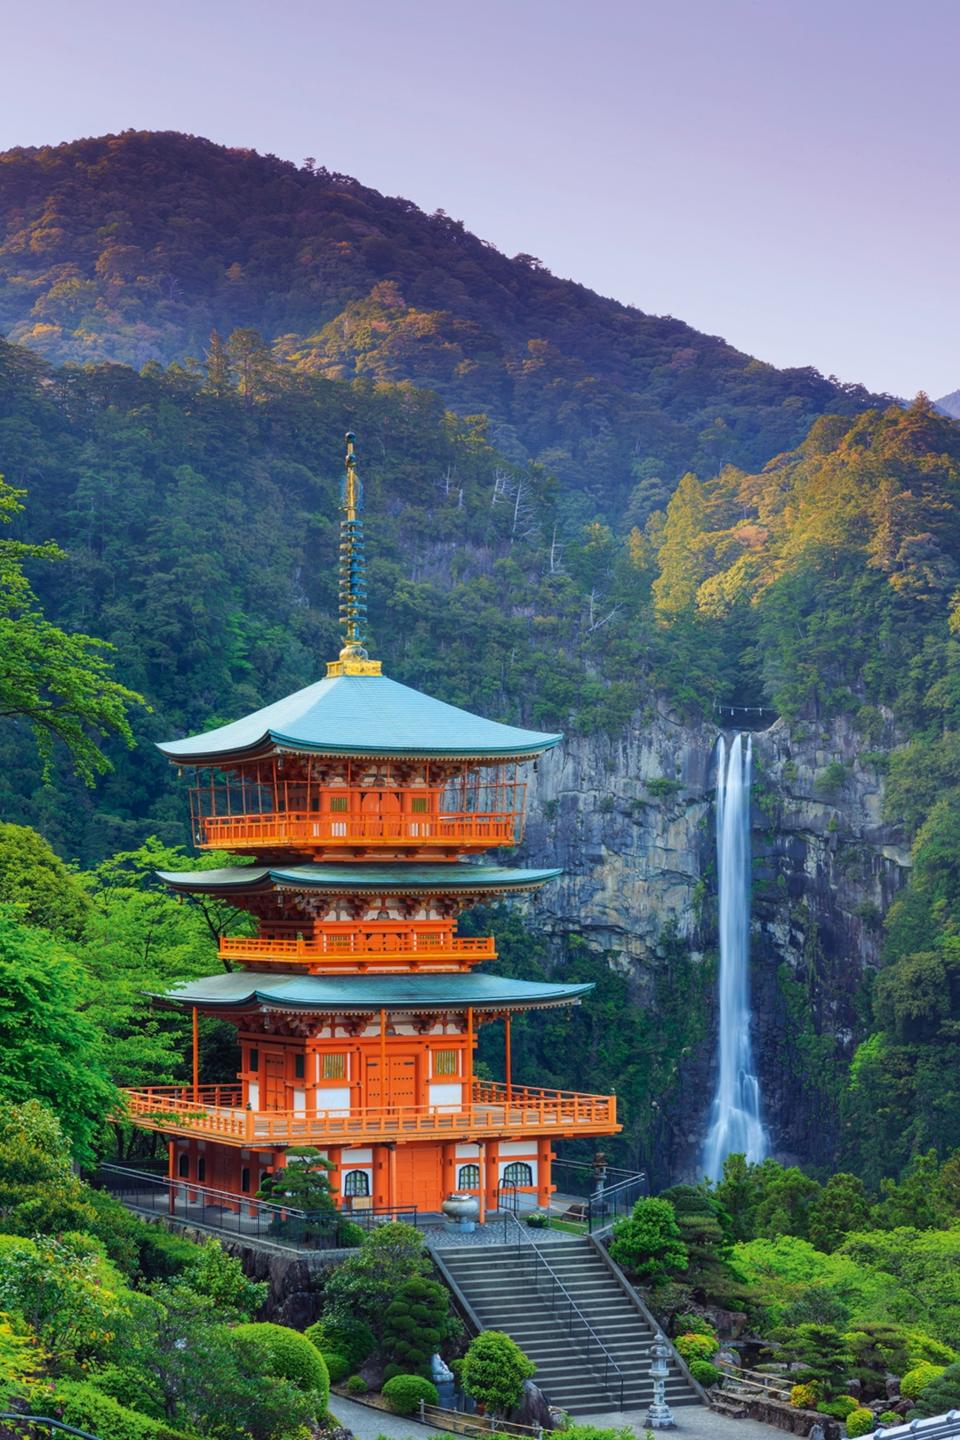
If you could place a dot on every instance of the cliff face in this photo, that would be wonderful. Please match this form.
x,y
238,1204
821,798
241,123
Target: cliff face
x,y
630,819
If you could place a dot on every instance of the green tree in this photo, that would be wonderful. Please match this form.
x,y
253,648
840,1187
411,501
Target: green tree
x,y
822,1356
415,1326
648,1242
365,1284
841,1206
60,683
45,891
48,1048
494,1370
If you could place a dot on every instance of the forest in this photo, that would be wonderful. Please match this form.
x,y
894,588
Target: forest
x,y
575,513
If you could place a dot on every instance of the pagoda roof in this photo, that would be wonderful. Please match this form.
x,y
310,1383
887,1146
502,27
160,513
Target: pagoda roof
x,y
362,877
360,715
246,990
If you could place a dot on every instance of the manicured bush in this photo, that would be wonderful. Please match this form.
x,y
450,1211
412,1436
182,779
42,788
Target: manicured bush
x,y
537,1220
350,1235
941,1394
696,1347
803,1397
338,1366
648,1242
414,1326
494,1370
861,1422
403,1393
704,1372
356,1385
82,1405
291,1356
889,1417
693,1324
918,1378
839,1408
346,1335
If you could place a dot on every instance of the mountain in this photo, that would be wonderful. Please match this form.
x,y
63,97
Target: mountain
x,y
950,404
132,248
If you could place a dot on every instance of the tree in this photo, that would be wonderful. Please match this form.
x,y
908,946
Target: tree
x,y
823,1356
942,1393
303,1182
415,1326
39,1192
365,1284
648,1242
48,1048
70,1296
44,890
60,683
494,1370
842,1205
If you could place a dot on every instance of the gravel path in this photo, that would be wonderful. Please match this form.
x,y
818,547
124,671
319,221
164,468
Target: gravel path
x,y
694,1422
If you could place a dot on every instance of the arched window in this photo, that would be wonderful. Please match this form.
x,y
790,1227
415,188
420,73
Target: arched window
x,y
356,1182
468,1177
518,1172
183,1165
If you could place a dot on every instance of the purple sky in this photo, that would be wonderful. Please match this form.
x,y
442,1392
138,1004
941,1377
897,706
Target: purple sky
x,y
779,172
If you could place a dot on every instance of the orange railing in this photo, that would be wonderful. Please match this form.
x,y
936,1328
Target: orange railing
x,y
465,830
493,1109
358,949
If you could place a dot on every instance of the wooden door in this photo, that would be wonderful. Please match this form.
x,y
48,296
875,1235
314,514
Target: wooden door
x,y
274,1081
401,1086
419,1176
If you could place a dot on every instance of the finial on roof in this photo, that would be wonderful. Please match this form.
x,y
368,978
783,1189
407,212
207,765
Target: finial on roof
x,y
353,658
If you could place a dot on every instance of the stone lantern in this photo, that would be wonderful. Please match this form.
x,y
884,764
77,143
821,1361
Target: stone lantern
x,y
659,1415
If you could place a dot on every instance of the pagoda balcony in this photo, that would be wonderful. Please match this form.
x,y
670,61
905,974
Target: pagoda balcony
x,y
366,949
457,831
494,1111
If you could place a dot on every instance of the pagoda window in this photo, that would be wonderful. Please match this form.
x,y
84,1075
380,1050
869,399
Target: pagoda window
x,y
419,804
446,1062
245,1179
339,804
201,1168
518,1172
299,1066
468,1177
254,1061
183,1166
356,1183
333,1067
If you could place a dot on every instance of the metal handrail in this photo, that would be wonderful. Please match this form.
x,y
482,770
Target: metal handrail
x,y
526,1244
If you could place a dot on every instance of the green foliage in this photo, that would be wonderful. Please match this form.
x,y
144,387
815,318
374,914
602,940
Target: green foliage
x,y
839,1408
696,1347
494,1371
878,1349
346,1334
366,1283
20,1359
48,1048
918,1378
291,1356
648,1242
39,888
219,1276
692,1324
704,1372
415,1325
403,1393
803,1396
82,1404
68,1294
356,1385
889,1417
705,1229
338,1366
820,1355
303,1182
942,1393
861,1422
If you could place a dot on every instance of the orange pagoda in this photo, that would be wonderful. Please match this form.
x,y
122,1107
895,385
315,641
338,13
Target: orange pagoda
x,y
367,806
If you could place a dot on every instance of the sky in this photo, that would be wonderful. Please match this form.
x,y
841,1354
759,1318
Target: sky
x,y
779,172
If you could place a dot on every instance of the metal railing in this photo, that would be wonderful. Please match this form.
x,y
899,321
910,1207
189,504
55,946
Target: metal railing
x,y
493,1109
548,1285
609,1192
242,1215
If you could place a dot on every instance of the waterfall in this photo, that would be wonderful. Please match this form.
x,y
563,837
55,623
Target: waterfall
x,y
735,1124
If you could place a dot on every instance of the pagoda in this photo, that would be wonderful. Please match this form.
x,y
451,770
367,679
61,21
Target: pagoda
x,y
366,807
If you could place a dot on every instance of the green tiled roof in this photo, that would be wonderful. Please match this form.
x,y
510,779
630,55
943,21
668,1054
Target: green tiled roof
x,y
251,990
360,715
361,876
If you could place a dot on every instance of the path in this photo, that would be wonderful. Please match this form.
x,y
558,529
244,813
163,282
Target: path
x,y
694,1422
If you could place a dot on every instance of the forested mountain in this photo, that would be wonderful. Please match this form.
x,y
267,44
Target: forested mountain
x,y
950,404
134,247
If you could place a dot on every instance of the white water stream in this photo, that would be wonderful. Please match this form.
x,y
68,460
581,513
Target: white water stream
x,y
735,1123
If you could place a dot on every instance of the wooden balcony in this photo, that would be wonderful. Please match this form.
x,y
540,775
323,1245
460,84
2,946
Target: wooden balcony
x,y
357,951
494,1111
456,832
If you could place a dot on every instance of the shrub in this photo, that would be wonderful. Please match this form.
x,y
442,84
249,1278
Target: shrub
x,y
85,1407
494,1370
291,1356
697,1347
889,1417
414,1326
918,1378
703,1372
648,1242
839,1408
941,1394
338,1366
803,1397
350,1235
692,1324
537,1220
346,1335
861,1422
356,1385
404,1392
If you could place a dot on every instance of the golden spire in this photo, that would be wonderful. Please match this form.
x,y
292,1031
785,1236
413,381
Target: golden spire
x,y
353,582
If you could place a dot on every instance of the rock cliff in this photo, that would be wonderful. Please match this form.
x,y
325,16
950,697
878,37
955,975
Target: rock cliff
x,y
630,820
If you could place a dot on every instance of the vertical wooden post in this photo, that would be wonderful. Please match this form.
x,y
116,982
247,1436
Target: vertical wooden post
x,y
469,1075
383,1060
507,1068
393,1200
171,1176
196,1057
482,1160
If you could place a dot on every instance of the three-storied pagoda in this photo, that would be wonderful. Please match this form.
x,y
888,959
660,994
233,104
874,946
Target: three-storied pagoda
x,y
357,1005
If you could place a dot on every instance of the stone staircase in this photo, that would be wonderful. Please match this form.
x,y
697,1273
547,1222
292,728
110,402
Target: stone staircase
x,y
572,1314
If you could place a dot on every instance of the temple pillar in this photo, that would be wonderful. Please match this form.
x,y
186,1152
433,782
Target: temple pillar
x,y
482,1163
171,1175
544,1188
381,1176
335,1175
448,1169
490,1174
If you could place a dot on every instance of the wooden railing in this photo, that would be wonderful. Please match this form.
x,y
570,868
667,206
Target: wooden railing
x,y
464,830
359,948
494,1109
